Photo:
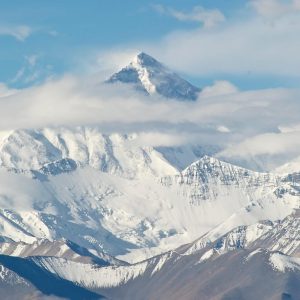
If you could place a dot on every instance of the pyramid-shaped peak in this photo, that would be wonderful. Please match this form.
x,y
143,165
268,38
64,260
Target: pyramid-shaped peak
x,y
147,74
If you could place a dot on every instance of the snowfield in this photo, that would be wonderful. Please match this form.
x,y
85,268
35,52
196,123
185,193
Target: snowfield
x,y
107,193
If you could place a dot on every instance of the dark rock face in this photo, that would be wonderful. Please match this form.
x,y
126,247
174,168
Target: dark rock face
x,y
58,167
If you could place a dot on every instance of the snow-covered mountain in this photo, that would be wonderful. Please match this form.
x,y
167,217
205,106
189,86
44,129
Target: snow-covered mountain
x,y
150,76
80,205
108,193
87,215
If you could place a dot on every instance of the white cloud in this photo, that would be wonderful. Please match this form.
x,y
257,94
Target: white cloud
x,y
223,129
5,90
289,128
220,87
72,100
31,72
250,47
21,32
244,124
267,143
207,17
156,138
112,60
275,8
77,100
266,152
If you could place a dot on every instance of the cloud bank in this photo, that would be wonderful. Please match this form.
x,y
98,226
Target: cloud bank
x,y
244,124
243,47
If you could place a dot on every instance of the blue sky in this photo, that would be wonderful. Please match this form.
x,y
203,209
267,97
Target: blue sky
x,y
39,39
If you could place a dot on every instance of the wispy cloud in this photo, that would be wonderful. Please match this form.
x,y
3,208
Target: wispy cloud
x,y
53,33
275,8
31,71
207,17
20,32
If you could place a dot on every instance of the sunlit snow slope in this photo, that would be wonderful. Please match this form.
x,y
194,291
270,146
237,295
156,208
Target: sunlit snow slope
x,y
111,195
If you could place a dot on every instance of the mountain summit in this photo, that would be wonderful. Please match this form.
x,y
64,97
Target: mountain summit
x,y
149,75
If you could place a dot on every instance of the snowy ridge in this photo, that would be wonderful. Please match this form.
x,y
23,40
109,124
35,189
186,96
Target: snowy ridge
x,y
239,237
59,248
281,236
91,275
284,236
160,261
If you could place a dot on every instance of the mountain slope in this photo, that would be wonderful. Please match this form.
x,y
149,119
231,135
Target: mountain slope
x,y
242,264
106,193
234,275
22,279
73,199
150,76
